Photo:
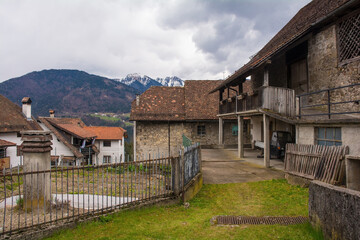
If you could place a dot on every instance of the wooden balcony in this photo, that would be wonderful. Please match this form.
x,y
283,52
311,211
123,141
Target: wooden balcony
x,y
278,100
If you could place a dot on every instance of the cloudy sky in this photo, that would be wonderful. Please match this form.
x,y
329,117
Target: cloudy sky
x,y
191,39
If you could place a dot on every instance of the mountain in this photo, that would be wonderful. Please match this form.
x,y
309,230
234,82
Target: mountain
x,y
139,82
142,83
69,92
171,81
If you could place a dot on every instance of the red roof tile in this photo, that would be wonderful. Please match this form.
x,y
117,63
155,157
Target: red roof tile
x,y
191,102
4,143
106,133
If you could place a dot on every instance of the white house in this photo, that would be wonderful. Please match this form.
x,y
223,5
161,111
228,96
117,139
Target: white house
x,y
13,120
110,143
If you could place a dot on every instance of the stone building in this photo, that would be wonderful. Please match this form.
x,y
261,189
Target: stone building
x,y
165,116
305,79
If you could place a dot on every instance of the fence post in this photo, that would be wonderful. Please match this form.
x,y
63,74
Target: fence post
x,y
175,174
36,149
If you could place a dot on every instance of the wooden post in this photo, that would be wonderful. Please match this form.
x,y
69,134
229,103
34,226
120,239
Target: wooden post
x,y
134,141
221,129
240,136
266,140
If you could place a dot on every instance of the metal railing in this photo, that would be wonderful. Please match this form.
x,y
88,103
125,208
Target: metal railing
x,y
82,192
325,101
78,192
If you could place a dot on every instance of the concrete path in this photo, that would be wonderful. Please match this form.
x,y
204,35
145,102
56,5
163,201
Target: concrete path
x,y
223,166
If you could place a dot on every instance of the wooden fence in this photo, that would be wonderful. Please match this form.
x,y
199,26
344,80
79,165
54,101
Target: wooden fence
x,y
315,162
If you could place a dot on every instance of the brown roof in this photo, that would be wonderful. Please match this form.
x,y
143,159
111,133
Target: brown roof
x,y
53,124
199,104
76,130
12,119
307,17
4,143
160,103
191,102
107,133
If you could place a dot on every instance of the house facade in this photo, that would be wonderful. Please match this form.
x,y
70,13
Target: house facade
x,y
110,143
305,80
165,118
13,120
74,143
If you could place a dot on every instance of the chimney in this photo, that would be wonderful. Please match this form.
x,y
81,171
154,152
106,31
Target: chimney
x,y
26,107
137,99
52,113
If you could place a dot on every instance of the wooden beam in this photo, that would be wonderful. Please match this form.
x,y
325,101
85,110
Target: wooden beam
x,y
240,136
266,140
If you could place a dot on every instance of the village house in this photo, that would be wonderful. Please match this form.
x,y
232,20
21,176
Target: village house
x,y
166,118
13,120
74,143
305,81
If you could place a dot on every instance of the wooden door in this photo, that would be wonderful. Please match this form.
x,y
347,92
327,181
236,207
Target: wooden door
x,y
298,77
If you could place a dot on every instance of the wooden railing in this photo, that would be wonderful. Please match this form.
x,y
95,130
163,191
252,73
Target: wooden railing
x,y
278,100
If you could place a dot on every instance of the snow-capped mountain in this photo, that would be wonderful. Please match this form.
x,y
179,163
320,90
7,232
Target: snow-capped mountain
x,y
142,83
171,81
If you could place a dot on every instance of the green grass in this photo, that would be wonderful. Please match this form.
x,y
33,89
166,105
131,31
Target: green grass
x,y
113,119
267,198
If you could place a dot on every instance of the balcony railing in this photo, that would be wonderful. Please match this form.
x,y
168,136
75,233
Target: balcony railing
x,y
332,103
278,100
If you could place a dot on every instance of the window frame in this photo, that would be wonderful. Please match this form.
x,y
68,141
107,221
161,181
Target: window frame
x,y
344,18
108,157
201,130
108,143
325,139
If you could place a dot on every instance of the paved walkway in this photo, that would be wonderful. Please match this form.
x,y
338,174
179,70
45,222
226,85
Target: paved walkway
x,y
223,166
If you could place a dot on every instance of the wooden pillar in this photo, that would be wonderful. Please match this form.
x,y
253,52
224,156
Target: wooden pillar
x,y
266,77
134,142
221,131
240,136
266,140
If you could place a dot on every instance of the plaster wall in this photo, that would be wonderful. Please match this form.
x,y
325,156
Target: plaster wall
x,y
11,151
58,147
116,151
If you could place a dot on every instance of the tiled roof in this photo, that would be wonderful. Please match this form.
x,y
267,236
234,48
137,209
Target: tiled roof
x,y
53,125
107,133
300,24
199,104
12,119
191,102
160,103
76,130
4,143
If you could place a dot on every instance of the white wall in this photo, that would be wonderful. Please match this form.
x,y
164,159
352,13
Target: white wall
x,y
256,127
58,147
116,151
349,136
11,151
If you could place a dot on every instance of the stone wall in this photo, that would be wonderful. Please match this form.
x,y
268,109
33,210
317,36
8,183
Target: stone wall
x,y
153,137
335,210
325,71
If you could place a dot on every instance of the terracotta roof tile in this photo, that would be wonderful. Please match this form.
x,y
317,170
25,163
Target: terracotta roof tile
x,y
191,102
306,18
4,143
107,133
12,119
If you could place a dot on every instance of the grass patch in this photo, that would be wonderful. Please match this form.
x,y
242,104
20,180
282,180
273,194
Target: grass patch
x,y
267,198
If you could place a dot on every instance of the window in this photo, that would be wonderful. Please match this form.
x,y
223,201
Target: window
x,y
2,152
234,130
107,143
349,37
330,136
107,159
201,130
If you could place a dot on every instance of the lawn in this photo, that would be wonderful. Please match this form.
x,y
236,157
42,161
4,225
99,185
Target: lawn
x,y
267,198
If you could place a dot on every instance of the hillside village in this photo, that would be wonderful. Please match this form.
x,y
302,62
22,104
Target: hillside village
x,y
291,112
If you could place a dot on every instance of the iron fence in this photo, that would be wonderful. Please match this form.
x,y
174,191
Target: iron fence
x,y
78,192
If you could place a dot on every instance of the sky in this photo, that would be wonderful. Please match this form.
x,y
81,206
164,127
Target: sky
x,y
190,39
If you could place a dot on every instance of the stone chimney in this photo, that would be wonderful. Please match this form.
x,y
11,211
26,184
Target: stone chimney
x,y
26,107
52,113
137,99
